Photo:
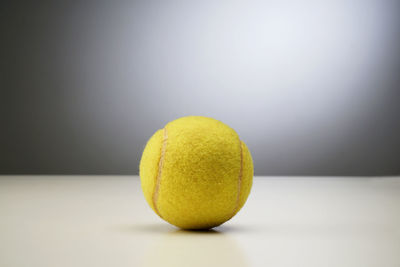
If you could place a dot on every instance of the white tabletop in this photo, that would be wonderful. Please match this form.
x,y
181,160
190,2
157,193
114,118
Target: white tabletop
x,y
105,221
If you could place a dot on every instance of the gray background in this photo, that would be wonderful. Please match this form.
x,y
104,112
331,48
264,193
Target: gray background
x,y
311,86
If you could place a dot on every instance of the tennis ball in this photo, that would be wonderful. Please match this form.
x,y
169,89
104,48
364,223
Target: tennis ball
x,y
196,173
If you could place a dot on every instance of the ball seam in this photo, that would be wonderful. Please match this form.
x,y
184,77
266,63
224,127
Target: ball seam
x,y
159,174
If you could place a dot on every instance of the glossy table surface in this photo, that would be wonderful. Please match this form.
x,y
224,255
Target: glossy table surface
x,y
287,221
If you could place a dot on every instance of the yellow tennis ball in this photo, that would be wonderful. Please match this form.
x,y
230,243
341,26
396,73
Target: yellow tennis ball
x,y
196,173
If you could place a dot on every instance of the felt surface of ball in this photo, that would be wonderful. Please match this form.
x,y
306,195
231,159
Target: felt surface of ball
x,y
196,173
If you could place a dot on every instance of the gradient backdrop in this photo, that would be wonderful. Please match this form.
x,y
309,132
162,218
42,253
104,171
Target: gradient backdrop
x,y
311,86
